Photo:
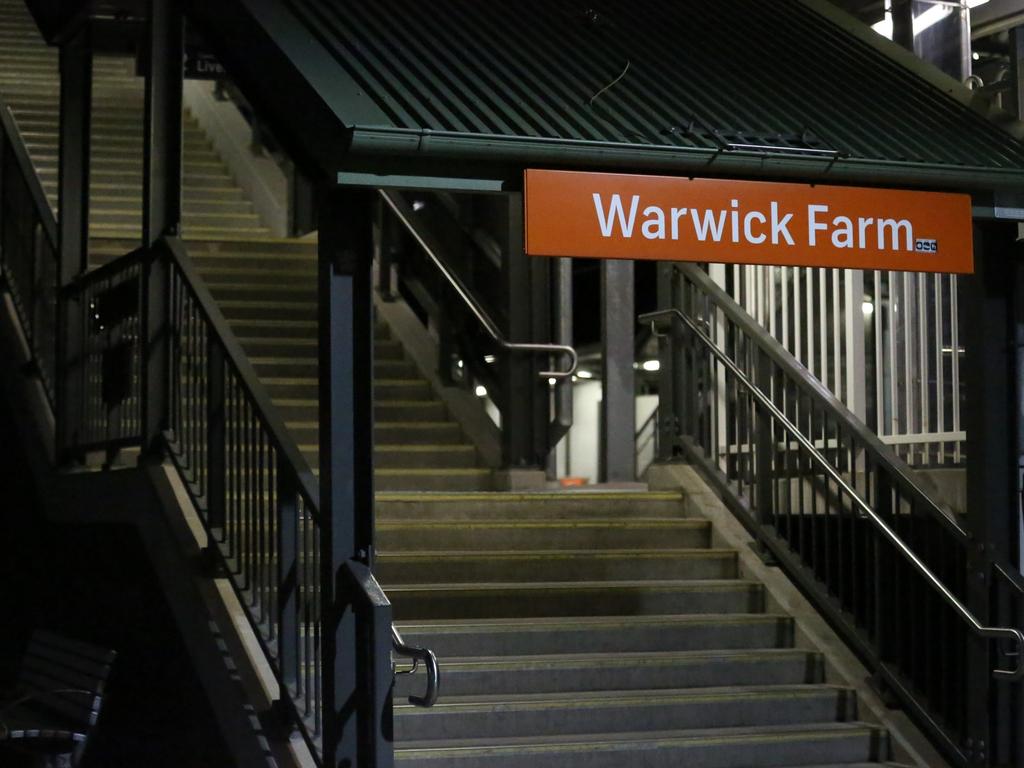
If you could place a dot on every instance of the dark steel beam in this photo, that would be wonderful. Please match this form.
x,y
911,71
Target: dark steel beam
x,y
161,194
73,185
73,227
618,399
346,462
161,206
993,517
526,288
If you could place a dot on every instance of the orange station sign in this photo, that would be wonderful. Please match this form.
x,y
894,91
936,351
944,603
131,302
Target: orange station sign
x,y
618,216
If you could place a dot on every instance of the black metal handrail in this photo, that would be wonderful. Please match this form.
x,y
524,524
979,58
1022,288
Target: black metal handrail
x,y
254,491
838,511
10,129
29,249
979,628
249,380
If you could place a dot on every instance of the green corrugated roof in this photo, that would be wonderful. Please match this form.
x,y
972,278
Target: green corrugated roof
x,y
651,84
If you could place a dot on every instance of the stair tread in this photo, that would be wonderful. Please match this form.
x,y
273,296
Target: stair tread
x,y
629,659
645,739
576,586
554,554
540,624
508,701
575,523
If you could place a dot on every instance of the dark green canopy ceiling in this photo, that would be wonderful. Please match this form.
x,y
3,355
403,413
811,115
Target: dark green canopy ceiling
x,y
462,87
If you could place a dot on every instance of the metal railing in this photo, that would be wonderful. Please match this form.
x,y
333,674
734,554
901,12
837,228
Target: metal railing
x,y
28,250
255,494
829,502
399,209
888,344
104,373
646,442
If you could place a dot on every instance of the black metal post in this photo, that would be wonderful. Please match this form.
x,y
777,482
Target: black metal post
x,y
1013,99
525,409
287,575
73,230
991,459
765,451
670,355
618,397
161,208
561,311
346,464
216,433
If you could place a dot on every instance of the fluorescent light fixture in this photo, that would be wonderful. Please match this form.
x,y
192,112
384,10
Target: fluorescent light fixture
x,y
585,374
481,390
489,359
651,365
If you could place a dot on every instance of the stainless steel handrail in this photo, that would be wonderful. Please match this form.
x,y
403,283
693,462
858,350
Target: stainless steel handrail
x,y
898,471
429,661
478,312
992,633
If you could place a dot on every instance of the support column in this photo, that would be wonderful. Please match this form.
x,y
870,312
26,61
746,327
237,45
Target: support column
x,y
991,457
346,468
670,382
73,228
618,401
1013,99
161,207
525,411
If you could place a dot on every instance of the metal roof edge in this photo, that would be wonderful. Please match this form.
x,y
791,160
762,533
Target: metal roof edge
x,y
909,61
515,153
315,63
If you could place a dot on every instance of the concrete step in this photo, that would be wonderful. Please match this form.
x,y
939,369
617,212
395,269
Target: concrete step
x,y
295,275
750,747
547,535
464,479
560,714
401,392
625,671
246,309
308,367
602,598
669,633
424,456
535,505
416,432
553,566
282,334
410,410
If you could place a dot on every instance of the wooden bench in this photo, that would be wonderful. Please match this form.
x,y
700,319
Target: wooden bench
x,y
56,701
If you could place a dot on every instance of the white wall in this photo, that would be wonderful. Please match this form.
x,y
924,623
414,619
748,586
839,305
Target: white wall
x,y
577,453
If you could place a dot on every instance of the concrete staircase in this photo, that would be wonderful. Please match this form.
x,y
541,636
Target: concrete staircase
x,y
265,286
600,629
576,630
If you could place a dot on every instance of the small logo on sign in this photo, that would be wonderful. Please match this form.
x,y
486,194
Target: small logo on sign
x,y
926,246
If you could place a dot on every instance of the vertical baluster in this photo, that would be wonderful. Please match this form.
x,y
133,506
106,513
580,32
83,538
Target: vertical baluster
x,y
765,448
289,580
261,565
318,590
215,435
